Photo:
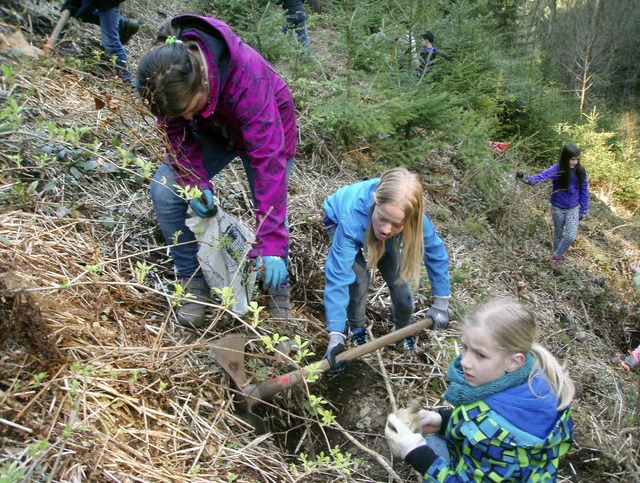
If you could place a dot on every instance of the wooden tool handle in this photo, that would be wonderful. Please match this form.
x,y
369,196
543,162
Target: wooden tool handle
x,y
266,389
48,47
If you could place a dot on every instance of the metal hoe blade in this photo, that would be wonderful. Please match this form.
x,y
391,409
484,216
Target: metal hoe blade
x,y
229,353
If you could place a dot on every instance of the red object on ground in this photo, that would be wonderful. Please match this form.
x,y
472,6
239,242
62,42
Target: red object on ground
x,y
498,146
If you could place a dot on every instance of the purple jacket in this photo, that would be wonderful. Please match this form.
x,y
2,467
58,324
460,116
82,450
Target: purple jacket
x,y
564,199
251,112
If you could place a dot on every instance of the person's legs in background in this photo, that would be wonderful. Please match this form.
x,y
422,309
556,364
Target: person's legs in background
x,y
565,230
296,24
110,21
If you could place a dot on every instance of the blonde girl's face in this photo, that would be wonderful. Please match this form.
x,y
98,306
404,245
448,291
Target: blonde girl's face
x,y
387,220
482,360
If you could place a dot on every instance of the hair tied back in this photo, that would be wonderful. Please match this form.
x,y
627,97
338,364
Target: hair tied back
x,y
171,39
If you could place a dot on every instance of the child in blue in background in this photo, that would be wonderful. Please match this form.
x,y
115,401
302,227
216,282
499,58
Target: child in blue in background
x,y
569,198
380,224
512,416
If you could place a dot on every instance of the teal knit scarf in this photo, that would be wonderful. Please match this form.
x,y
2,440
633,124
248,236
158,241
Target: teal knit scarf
x,y
460,392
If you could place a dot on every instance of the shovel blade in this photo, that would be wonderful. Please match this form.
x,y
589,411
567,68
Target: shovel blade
x,y
229,353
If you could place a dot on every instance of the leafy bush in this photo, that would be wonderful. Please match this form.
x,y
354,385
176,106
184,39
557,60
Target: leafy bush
x,y
612,165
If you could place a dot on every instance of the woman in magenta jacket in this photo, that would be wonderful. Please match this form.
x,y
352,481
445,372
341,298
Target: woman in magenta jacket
x,y
216,98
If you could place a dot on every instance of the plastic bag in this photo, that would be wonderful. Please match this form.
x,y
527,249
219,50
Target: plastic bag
x,y
223,245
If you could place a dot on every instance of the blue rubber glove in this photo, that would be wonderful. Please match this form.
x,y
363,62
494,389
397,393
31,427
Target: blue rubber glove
x,y
275,272
206,209
583,216
439,313
335,347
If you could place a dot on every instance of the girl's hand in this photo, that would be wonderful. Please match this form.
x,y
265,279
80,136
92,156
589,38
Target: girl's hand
x,y
430,421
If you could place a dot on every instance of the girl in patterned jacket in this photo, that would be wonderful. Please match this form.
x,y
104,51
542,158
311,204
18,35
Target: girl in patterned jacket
x,y
217,99
569,198
512,417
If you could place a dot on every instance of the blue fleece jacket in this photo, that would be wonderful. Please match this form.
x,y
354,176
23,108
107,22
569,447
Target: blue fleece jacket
x,y
349,210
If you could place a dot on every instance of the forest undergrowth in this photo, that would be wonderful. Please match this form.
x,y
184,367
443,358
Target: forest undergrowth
x,y
98,383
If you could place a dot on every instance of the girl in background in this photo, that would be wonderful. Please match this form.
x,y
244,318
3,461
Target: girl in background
x,y
569,198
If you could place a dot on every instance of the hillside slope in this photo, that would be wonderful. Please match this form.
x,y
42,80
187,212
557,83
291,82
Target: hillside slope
x,y
99,384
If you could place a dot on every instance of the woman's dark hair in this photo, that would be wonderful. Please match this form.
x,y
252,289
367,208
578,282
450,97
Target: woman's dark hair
x,y
570,150
169,74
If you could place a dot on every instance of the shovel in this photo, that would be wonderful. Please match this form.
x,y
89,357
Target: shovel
x,y
229,353
48,47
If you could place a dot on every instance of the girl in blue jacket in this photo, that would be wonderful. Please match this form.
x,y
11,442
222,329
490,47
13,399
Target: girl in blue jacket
x,y
379,223
569,198
512,416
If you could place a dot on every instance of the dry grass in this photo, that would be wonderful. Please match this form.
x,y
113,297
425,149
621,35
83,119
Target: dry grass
x,y
98,384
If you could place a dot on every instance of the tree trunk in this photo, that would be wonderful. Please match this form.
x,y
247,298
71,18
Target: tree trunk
x,y
592,35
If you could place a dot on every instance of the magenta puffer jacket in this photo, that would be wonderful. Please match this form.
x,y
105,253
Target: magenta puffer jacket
x,y
251,112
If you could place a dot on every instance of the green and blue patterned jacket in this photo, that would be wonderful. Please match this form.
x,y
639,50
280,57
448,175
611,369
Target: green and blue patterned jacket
x,y
515,435
488,448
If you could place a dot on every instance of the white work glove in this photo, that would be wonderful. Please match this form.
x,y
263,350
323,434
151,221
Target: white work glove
x,y
400,438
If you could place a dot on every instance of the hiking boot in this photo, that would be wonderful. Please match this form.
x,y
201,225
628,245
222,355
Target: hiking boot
x,y
191,313
128,29
556,262
279,303
406,345
358,336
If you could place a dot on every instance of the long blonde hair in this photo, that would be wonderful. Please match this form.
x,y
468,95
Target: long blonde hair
x,y
513,328
401,188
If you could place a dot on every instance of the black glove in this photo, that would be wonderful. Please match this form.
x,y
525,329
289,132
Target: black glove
x,y
335,347
439,313
519,175
583,216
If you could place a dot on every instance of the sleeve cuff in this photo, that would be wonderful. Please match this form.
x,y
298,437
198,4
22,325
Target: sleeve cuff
x,y
441,302
421,459
445,414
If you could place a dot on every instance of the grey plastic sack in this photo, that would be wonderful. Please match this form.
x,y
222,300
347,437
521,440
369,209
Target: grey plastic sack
x,y
223,245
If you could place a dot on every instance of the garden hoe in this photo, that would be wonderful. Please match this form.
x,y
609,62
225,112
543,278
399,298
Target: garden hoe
x,y
229,353
51,43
